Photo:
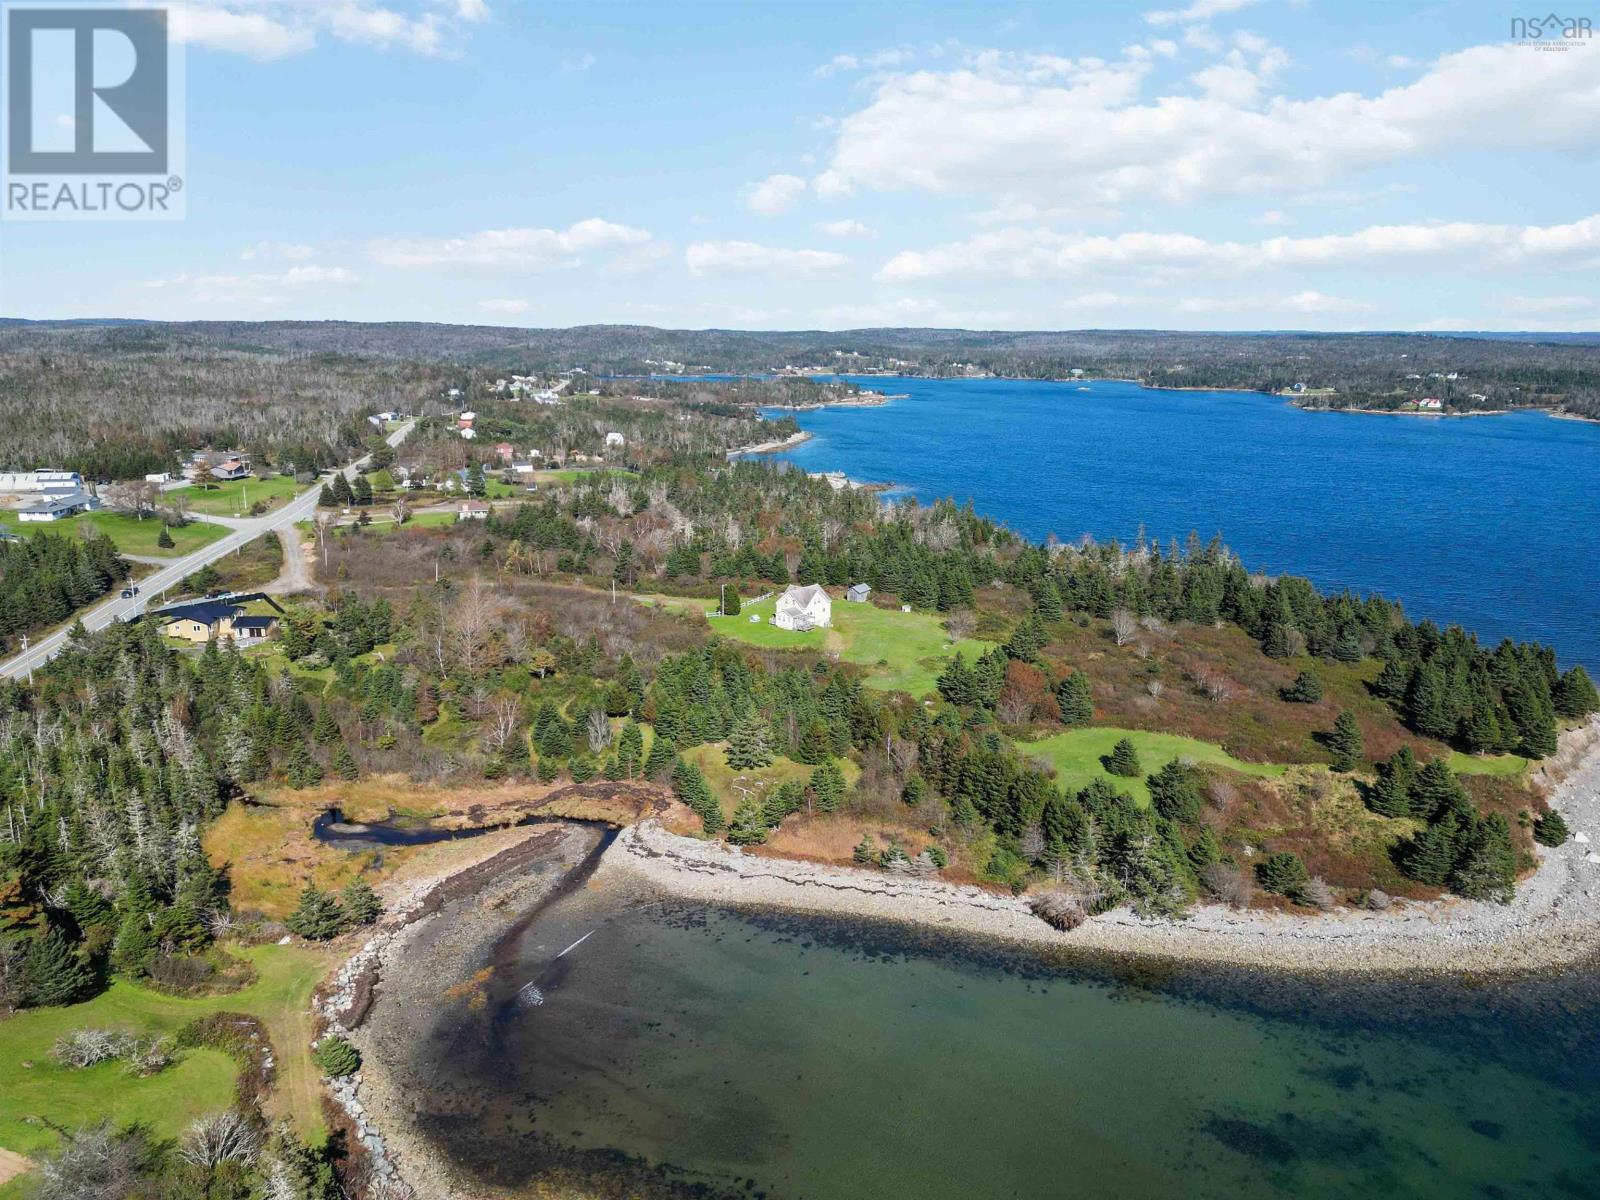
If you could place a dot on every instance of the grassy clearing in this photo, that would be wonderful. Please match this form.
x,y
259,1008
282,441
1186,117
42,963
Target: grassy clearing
x,y
902,652
1499,765
1076,755
733,786
34,1090
131,535
567,476
234,497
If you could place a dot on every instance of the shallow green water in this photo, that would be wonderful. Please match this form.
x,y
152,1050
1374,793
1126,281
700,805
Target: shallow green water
x,y
711,1052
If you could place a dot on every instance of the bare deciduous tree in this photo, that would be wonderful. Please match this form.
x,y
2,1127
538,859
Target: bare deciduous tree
x,y
220,1138
1123,626
598,730
961,624
1231,885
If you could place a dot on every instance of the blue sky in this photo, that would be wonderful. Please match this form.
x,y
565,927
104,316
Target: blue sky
x,y
1222,164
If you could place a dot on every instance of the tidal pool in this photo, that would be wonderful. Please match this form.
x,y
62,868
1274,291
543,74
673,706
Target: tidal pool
x,y
682,1051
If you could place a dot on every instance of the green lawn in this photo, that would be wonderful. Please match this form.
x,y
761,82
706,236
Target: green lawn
x,y
131,535
566,476
34,1090
1076,755
229,499
1487,764
903,652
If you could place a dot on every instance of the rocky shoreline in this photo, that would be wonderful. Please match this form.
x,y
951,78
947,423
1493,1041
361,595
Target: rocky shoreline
x,y
772,447
1553,922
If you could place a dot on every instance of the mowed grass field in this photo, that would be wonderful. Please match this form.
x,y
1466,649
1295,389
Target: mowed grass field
x,y
231,498
903,652
36,1093
1076,755
131,535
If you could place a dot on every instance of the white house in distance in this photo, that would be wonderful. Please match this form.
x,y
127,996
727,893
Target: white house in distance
x,y
802,609
615,439
55,506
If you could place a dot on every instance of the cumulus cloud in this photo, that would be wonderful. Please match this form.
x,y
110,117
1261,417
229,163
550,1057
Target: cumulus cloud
x,y
522,249
1029,128
1308,302
774,195
745,258
1196,13
506,308
269,29
845,228
1045,254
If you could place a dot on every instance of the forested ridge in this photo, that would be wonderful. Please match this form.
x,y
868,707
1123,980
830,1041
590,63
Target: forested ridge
x,y
117,400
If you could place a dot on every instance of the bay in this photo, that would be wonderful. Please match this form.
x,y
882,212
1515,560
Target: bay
x,y
1491,522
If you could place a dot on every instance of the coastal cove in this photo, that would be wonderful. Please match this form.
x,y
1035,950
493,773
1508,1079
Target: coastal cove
x,y
1493,524
677,1048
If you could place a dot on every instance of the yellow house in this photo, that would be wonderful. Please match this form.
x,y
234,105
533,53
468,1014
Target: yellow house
x,y
206,620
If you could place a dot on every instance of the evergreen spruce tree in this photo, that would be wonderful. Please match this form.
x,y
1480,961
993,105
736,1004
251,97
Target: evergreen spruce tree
x,y
1073,695
827,786
326,728
1391,796
748,747
1124,760
326,498
53,972
1175,793
749,826
1575,695
360,903
1306,689
1431,855
318,916
135,946
1345,742
660,758
730,601
1551,829
164,539
344,763
301,769
1436,791
1282,873
1486,863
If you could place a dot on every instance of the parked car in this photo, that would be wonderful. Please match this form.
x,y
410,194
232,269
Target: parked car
x,y
128,593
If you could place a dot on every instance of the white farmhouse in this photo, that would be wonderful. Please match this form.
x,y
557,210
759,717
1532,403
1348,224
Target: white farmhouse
x,y
803,608
615,439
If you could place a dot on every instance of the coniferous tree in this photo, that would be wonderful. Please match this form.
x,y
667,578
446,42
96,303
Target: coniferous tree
x,y
317,917
1486,862
1306,689
1175,793
1073,695
164,539
53,973
748,747
1551,829
827,786
1431,855
1283,873
1575,695
1124,760
344,763
360,903
1391,795
1345,742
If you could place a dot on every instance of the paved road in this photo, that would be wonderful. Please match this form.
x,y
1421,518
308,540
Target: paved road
x,y
301,508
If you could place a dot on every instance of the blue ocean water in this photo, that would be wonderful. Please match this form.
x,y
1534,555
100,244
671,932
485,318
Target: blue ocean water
x,y
1490,522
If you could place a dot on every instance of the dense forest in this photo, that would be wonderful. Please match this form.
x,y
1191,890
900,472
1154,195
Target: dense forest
x,y
45,578
112,399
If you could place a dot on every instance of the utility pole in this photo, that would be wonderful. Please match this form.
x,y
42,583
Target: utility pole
x,y
25,655
722,601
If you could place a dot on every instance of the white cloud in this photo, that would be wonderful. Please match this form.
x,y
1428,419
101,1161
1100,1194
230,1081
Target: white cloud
x,y
522,249
1058,132
743,258
252,34
1273,216
1045,254
292,251
269,29
508,308
261,289
577,64
1550,304
1309,302
774,195
846,228
1197,12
